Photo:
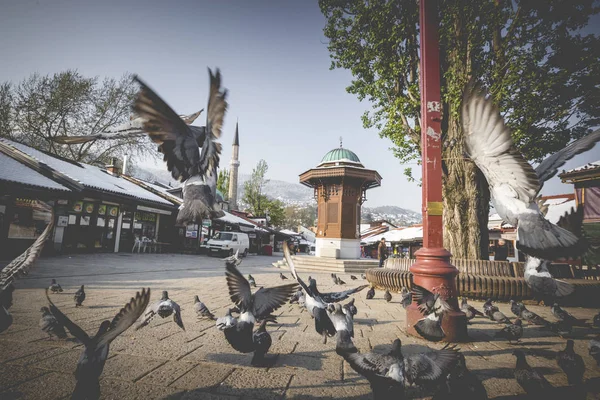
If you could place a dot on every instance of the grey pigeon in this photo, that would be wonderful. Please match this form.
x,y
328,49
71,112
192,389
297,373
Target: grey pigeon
x,y
515,308
470,311
349,306
594,349
530,380
531,317
370,293
596,322
489,308
353,277
20,266
433,307
79,297
226,322
316,302
92,359
461,384
251,281
130,129
282,276
494,313
262,343
55,287
180,144
389,373
387,296
406,297
544,286
564,316
164,308
342,320
340,281
295,299
201,310
513,183
571,363
51,325
334,278
363,276
512,331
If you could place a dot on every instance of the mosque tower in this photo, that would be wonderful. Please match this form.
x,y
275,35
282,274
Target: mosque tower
x,y
233,171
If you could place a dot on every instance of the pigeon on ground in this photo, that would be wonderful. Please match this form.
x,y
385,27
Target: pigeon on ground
x,y
594,349
201,310
596,323
317,302
531,317
513,183
342,320
561,328
350,307
251,281
433,307
92,359
79,297
363,276
180,142
389,373
164,308
282,276
512,331
370,293
494,313
51,325
406,297
571,363
340,281
564,316
489,308
531,381
461,384
387,296
55,287
470,311
334,278
515,308
130,129
253,307
20,266
353,277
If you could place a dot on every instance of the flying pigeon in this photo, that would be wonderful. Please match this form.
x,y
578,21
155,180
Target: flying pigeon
x,y
370,293
180,144
79,297
132,128
252,307
353,277
564,316
350,307
571,363
544,286
282,276
513,183
531,317
20,266
389,373
51,325
470,311
406,297
92,359
594,349
461,384
201,310
164,308
387,296
433,307
55,287
251,281
316,302
512,331
515,308
531,381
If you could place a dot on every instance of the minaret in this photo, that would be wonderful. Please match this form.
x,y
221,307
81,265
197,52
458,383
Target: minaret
x,y
233,171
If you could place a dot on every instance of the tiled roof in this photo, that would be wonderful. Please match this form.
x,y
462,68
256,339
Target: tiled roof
x,y
13,171
90,176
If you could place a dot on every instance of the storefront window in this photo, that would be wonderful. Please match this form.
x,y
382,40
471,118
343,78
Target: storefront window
x,y
27,222
144,224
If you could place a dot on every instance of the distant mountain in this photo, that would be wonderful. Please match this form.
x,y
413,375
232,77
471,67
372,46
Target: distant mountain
x,y
396,215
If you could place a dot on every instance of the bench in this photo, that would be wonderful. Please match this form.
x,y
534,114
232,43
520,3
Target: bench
x,y
498,280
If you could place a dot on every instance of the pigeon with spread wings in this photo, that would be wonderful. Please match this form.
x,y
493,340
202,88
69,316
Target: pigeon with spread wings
x,y
92,359
180,143
513,183
433,307
164,308
20,266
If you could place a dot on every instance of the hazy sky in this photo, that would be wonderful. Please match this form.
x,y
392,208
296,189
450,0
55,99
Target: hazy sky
x,y
291,108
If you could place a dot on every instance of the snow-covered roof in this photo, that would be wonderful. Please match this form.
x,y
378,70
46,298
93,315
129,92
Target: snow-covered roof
x,y
90,176
234,219
591,165
398,235
289,232
13,171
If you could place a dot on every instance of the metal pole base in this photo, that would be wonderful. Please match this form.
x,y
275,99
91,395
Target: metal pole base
x,y
434,272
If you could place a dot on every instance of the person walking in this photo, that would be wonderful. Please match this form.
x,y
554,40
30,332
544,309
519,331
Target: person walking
x,y
382,252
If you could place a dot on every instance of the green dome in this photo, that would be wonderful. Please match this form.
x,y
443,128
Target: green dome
x,y
340,154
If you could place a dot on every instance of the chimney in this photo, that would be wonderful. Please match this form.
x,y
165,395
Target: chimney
x,y
125,160
112,167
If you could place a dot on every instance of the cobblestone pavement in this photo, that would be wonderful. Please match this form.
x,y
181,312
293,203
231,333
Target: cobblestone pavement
x,y
162,361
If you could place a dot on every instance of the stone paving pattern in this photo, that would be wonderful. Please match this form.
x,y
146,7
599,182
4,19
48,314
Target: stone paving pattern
x,y
161,361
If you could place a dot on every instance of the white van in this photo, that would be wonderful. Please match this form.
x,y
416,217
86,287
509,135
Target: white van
x,y
227,243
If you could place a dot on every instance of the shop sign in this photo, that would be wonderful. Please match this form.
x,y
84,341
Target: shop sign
x,y
63,202
206,222
252,235
191,234
63,220
153,210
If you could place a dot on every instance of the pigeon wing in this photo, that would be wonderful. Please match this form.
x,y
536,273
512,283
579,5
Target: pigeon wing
x,y
370,363
217,107
268,300
549,167
177,315
550,286
67,323
339,296
239,287
177,141
126,317
489,144
288,259
149,314
431,366
423,297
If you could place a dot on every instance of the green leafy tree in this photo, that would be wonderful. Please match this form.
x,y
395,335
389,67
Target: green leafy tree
x,y
536,59
40,108
300,215
223,183
254,188
276,212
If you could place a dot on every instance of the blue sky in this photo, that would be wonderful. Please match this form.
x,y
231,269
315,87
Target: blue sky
x,y
291,108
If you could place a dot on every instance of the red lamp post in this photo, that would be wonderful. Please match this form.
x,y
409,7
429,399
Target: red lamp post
x,y
433,270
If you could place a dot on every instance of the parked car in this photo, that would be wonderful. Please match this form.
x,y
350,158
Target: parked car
x,y
227,243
